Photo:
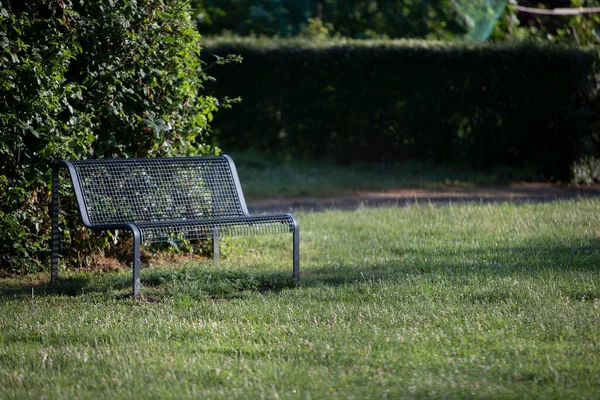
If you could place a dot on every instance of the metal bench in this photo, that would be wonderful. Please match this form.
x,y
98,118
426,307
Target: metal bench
x,y
162,200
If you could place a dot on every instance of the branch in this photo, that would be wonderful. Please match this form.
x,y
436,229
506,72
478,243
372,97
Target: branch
x,y
559,11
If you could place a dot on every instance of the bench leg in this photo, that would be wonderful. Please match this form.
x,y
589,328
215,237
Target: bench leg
x,y
215,245
136,264
55,237
296,253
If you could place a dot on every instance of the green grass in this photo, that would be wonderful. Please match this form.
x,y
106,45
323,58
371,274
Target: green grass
x,y
471,301
267,176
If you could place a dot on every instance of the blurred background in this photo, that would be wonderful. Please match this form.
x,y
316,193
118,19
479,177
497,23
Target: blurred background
x,y
491,86
476,20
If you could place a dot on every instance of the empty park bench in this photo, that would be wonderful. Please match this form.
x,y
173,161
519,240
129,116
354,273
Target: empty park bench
x,y
164,200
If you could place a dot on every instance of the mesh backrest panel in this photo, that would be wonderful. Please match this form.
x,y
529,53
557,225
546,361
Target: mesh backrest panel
x,y
158,189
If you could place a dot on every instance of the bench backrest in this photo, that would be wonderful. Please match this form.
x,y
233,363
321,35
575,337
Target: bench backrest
x,y
118,191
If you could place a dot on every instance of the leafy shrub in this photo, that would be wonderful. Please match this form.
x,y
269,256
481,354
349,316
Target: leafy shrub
x,y
523,106
89,80
586,170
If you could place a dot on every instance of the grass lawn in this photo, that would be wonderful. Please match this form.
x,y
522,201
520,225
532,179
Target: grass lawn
x,y
470,301
269,176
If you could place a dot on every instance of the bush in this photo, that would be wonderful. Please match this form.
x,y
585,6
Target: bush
x,y
89,80
484,106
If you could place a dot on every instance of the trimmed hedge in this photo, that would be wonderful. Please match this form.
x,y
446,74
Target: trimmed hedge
x,y
484,106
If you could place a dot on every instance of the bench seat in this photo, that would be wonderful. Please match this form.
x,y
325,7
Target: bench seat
x,y
153,232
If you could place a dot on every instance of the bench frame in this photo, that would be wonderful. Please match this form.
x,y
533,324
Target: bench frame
x,y
135,230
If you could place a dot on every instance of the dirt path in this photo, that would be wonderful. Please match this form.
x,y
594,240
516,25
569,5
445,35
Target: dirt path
x,y
523,192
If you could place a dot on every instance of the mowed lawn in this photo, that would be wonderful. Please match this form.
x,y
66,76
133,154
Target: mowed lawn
x,y
460,301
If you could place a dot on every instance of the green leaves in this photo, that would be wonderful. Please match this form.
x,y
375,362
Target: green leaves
x,y
90,80
567,30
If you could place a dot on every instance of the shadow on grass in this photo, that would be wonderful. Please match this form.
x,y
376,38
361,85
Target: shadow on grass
x,y
571,270
542,258
71,286
190,280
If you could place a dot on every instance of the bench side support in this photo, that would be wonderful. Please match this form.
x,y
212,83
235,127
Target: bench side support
x,y
237,184
296,247
296,256
137,261
55,208
55,238
215,245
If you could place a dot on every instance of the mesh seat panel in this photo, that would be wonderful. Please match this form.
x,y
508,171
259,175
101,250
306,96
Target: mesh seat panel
x,y
154,190
205,229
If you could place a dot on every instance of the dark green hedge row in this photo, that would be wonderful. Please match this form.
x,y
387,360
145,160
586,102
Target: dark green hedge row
x,y
484,106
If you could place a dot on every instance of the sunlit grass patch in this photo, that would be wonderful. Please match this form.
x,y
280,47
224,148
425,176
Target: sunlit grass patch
x,y
486,301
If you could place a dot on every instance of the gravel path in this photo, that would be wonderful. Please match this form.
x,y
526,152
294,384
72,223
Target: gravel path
x,y
523,192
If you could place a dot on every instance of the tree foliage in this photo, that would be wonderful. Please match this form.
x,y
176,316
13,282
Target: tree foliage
x,y
572,30
89,80
360,19
349,18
